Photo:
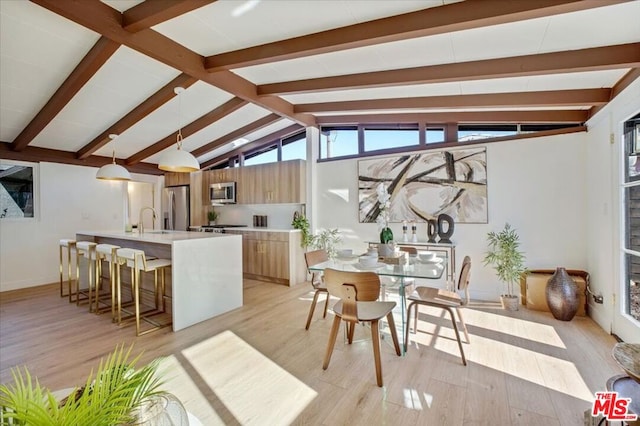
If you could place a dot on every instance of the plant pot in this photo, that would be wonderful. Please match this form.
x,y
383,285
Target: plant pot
x,y
562,295
212,222
509,303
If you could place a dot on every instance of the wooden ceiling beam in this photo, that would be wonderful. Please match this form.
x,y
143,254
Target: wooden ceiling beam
x,y
37,154
581,97
153,12
622,84
82,73
427,22
105,20
152,103
551,116
209,118
592,59
237,134
278,134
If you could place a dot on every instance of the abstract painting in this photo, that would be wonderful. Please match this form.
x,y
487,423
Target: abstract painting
x,y
422,186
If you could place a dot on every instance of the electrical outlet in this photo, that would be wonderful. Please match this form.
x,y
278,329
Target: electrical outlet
x,y
612,138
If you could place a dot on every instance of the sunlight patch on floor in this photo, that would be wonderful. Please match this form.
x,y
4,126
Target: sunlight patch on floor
x,y
523,329
544,370
178,382
252,387
412,399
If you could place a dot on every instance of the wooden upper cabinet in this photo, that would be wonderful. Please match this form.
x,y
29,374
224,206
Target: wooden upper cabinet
x,y
273,183
176,179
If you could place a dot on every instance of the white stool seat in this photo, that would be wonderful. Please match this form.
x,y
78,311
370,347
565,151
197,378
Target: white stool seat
x,y
106,250
66,242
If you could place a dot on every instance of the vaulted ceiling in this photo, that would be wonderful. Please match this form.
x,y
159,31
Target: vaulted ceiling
x,y
73,72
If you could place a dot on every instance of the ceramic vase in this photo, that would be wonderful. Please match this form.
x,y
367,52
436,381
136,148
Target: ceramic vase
x,y
386,235
562,295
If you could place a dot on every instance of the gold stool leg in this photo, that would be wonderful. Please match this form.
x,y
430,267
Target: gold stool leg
x,y
136,285
61,285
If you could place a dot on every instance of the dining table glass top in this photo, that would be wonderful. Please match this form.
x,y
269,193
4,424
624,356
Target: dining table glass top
x,y
413,268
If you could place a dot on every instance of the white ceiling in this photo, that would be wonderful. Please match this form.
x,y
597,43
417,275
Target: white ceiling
x,y
39,49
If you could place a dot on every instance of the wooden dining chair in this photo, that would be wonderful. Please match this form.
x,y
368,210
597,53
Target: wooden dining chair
x,y
358,293
447,300
313,258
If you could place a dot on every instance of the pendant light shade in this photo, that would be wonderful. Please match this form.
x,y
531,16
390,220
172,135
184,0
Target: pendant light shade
x,y
113,171
178,160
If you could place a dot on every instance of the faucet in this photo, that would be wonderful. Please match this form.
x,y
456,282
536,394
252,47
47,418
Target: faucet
x,y
140,225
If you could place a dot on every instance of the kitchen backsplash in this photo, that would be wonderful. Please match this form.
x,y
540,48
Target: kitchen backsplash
x,y
279,216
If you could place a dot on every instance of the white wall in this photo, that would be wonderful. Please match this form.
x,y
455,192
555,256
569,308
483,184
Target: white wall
x,y
537,185
604,208
71,199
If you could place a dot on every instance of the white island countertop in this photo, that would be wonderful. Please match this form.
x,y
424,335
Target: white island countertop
x,y
154,236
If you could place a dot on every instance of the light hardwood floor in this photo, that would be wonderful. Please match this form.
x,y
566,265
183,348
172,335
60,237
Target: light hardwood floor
x,y
258,365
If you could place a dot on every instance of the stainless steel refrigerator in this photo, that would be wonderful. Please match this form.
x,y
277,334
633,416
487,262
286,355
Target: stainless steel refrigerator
x,y
175,208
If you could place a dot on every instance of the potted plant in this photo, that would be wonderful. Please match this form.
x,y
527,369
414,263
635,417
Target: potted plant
x,y
112,396
212,216
301,222
508,261
328,239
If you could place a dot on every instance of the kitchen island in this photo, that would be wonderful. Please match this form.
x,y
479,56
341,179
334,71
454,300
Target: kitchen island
x,y
206,268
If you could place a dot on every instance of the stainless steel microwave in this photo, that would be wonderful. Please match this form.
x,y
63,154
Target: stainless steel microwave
x,y
222,193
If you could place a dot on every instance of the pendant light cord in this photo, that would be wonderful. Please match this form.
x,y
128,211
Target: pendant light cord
x,y
179,135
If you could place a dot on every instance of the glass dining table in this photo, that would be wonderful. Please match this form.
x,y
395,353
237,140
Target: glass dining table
x,y
413,268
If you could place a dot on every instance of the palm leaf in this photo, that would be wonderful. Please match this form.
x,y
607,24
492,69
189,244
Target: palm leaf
x,y
107,398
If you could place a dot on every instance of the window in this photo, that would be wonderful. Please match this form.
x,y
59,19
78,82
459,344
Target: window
x,y
385,137
473,132
435,135
17,190
338,141
295,147
631,284
264,155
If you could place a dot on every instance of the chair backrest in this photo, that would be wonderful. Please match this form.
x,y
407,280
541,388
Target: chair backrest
x,y
134,258
352,287
314,257
367,284
465,276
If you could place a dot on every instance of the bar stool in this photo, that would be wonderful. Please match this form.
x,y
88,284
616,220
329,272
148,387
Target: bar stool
x,y
69,245
137,262
106,253
86,249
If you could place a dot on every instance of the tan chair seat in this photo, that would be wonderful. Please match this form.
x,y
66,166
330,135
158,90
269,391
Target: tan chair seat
x,y
437,296
368,311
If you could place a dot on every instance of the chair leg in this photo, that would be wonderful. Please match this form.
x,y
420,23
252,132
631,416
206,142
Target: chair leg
x,y
415,319
455,328
311,310
375,337
464,325
394,334
326,304
351,329
332,341
406,332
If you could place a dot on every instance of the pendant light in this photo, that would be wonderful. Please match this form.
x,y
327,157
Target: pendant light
x,y
178,160
113,171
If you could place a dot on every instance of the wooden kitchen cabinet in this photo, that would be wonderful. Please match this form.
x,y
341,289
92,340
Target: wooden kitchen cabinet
x,y
273,183
176,179
274,256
